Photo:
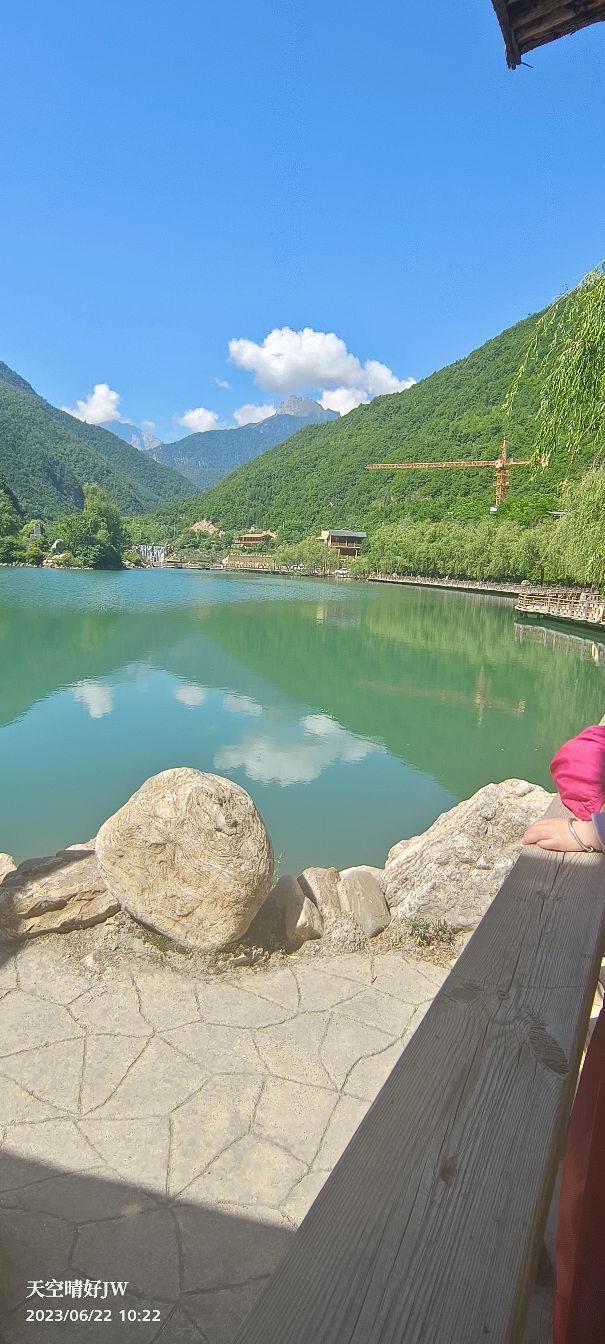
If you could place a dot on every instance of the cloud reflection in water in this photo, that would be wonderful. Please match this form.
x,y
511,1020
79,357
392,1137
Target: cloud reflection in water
x,y
294,753
97,698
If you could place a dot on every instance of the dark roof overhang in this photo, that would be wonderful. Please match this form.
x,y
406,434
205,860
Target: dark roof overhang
x,y
527,24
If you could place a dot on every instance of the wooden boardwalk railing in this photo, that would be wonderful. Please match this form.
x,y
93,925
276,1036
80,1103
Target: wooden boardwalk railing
x,y
429,1229
583,605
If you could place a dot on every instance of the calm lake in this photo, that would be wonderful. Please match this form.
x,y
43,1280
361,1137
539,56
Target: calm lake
x,y
352,713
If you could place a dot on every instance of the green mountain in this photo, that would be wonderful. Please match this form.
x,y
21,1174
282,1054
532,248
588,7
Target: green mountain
x,y
46,456
317,478
206,458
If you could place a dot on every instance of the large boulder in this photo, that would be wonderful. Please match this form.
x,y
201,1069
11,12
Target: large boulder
x,y
53,895
454,869
188,855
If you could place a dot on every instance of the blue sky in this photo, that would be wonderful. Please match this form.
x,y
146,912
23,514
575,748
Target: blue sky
x,y
179,176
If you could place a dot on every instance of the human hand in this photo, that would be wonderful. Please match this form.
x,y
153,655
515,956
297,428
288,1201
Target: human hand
x,y
554,833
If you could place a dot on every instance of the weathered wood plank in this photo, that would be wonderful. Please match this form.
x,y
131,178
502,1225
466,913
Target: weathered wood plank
x,y
429,1228
561,19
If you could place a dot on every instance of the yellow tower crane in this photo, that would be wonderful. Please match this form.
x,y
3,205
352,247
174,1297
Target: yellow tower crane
x,y
501,468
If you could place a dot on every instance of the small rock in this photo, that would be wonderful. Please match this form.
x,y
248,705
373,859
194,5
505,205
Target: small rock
x,y
55,895
302,919
309,923
365,899
321,886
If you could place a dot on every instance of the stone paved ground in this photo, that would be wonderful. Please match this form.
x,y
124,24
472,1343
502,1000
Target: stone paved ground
x,y
170,1128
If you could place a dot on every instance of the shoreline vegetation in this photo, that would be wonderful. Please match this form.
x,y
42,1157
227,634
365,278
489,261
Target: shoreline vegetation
x,y
566,547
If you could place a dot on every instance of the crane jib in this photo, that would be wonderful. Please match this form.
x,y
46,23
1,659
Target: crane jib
x,y
431,466
501,468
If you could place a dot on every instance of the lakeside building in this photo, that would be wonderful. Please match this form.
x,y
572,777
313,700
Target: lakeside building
x,y
254,538
345,543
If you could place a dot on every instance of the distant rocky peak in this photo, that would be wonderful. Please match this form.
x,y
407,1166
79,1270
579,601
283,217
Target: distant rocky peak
x,y
298,406
304,408
137,438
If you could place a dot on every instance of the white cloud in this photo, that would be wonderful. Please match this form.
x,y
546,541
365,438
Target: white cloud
x,y
242,704
343,399
294,754
97,698
99,408
222,382
291,361
251,415
380,380
199,420
147,424
190,695
296,361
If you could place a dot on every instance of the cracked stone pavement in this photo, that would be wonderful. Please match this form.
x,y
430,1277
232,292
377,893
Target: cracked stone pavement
x,y
171,1128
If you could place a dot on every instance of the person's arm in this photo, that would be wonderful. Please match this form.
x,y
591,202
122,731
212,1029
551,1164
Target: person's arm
x,y
598,821
554,833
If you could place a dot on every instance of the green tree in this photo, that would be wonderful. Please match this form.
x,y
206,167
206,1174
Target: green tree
x,y
97,535
11,550
566,358
35,553
578,553
9,516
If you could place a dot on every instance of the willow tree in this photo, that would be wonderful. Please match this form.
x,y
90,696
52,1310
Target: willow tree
x,y
566,358
577,549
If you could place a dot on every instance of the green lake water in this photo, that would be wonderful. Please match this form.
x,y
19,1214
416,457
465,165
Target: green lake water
x,y
352,713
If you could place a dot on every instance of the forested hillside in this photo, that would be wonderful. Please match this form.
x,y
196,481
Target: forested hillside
x,y
317,479
46,456
207,458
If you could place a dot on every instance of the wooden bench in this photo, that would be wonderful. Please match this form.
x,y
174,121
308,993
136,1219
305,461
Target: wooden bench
x,y
430,1227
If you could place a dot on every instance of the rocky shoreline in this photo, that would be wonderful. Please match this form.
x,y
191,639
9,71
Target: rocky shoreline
x,y
188,861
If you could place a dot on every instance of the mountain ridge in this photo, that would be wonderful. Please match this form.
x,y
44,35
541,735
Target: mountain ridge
x,y
47,455
207,458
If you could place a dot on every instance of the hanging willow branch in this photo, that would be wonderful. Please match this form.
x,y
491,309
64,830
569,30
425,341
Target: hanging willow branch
x,y
566,356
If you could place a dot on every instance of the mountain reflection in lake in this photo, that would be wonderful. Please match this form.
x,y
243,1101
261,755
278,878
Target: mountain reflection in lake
x,y
353,715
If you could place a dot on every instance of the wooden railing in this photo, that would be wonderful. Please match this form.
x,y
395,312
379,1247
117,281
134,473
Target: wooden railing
x,y
430,1227
585,605
466,585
